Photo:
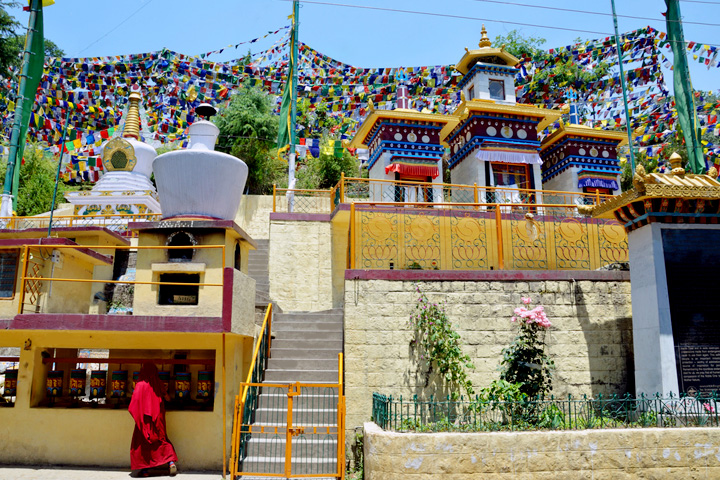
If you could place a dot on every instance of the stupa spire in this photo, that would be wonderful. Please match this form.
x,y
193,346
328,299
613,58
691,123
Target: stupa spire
x,y
484,40
132,122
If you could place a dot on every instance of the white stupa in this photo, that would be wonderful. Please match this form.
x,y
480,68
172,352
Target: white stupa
x,y
125,188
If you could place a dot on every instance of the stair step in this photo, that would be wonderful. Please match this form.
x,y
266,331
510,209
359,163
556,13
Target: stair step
x,y
273,445
287,326
300,416
308,317
335,345
308,335
304,376
298,364
298,353
300,465
276,398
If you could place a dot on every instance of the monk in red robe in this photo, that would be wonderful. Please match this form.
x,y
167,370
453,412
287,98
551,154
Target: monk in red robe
x,y
150,446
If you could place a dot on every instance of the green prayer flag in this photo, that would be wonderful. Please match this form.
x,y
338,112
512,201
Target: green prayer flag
x,y
684,100
285,126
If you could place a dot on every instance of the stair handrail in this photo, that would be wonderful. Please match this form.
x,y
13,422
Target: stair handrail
x,y
243,408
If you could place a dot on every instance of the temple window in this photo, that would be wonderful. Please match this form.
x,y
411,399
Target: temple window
x,y
179,294
238,259
179,239
471,92
497,89
8,272
511,175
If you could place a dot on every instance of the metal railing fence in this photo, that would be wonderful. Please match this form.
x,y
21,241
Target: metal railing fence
x,y
371,190
114,222
570,413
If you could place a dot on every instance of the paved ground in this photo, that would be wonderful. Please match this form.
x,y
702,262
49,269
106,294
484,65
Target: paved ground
x,y
75,473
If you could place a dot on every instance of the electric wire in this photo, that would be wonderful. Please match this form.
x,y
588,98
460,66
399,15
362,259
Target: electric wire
x,y
464,17
587,12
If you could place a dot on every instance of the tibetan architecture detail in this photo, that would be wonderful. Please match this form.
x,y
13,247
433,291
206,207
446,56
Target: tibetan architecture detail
x,y
577,158
494,141
125,188
675,197
404,145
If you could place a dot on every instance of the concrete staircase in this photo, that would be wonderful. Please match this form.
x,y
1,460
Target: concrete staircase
x,y
305,349
258,269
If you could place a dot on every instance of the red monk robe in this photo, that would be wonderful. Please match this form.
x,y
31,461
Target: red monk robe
x,y
150,446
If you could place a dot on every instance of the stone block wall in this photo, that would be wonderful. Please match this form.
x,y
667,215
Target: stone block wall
x,y
590,340
653,453
301,264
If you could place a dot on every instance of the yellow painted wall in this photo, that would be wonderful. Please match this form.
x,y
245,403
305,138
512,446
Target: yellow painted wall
x,y
145,301
101,437
300,265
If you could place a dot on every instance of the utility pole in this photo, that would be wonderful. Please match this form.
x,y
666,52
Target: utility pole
x,y
624,90
9,196
293,106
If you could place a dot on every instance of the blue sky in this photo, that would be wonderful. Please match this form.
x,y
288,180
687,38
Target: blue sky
x,y
361,37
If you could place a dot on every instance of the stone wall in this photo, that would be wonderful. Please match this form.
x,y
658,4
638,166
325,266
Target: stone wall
x,y
590,341
667,453
300,264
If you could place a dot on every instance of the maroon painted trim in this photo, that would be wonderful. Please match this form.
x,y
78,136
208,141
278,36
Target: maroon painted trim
x,y
120,239
18,242
488,275
120,323
227,300
5,323
301,217
171,223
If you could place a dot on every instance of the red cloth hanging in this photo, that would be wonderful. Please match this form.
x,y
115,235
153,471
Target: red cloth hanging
x,y
417,170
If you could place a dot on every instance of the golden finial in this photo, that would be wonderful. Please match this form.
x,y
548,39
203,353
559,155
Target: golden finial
x,y
132,122
484,40
639,178
713,172
462,97
676,164
371,105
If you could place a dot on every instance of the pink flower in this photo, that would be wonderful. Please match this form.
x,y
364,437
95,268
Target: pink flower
x,y
526,300
709,408
514,319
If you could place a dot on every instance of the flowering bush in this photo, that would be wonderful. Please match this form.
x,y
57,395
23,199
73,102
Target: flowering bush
x,y
525,362
438,346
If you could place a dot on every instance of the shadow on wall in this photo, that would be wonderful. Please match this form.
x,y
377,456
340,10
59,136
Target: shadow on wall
x,y
611,372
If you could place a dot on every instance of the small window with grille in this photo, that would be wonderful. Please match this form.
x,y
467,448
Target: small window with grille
x,y
497,89
8,272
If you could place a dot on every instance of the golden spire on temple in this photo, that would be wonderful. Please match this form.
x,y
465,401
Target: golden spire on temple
x,y
132,122
484,40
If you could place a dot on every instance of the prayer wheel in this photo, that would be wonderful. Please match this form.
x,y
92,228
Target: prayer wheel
x,y
98,383
165,379
54,383
11,376
77,382
134,382
182,385
205,384
118,383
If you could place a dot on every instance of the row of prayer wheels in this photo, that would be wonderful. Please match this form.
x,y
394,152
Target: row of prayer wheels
x,y
119,384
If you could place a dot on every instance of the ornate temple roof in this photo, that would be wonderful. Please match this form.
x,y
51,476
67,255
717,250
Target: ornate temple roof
x,y
486,54
376,116
667,197
584,131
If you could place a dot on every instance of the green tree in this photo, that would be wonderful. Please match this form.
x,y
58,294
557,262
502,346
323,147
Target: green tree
x,y
520,46
248,130
12,40
37,182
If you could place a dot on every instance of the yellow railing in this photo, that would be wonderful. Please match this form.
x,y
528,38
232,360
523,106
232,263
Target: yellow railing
x,y
26,279
386,236
369,190
115,222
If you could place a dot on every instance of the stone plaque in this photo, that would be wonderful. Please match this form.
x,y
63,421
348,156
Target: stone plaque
x,y
698,367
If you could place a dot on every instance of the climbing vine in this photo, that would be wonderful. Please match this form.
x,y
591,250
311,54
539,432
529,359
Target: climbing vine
x,y
439,346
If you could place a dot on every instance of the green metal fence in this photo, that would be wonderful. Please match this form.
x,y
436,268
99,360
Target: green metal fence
x,y
570,413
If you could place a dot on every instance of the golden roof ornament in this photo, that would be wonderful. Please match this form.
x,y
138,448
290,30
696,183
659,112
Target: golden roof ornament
x,y
484,40
639,178
676,164
132,122
713,172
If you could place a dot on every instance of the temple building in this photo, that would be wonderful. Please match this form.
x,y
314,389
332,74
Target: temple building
x,y
494,141
582,159
403,146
